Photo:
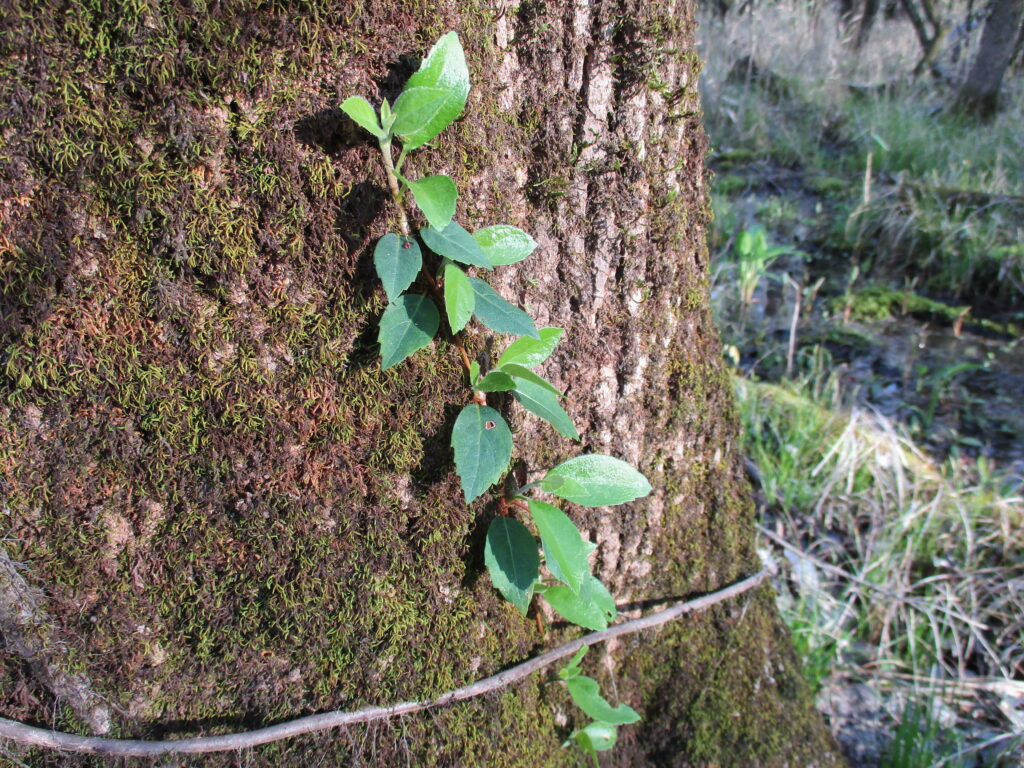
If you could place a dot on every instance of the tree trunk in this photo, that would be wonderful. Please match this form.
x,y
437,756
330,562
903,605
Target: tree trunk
x,y
235,517
979,93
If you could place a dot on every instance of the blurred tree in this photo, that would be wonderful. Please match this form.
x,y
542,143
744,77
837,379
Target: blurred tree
x,y
979,92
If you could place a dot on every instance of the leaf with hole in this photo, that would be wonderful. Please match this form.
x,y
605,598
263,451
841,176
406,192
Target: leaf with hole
x,y
483,447
455,243
435,196
587,694
364,115
435,94
407,326
458,297
529,352
497,314
595,480
565,550
397,261
504,244
512,561
539,401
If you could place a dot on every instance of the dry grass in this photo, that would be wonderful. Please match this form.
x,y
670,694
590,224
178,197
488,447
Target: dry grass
x,y
903,573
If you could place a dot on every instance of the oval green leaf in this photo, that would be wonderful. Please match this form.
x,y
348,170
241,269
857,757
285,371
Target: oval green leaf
x,y
496,381
407,326
459,298
363,113
579,609
521,372
434,96
397,260
435,196
565,550
587,694
595,480
497,314
504,244
529,352
483,448
539,401
455,243
599,736
512,561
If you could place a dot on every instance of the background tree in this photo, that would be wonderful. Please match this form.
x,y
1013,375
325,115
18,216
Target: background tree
x,y
979,93
226,513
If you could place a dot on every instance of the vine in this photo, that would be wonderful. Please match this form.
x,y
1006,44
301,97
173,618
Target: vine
x,y
434,96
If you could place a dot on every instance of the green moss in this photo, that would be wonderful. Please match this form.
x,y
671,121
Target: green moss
x,y
238,516
878,303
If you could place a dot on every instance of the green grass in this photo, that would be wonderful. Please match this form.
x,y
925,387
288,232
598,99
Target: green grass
x,y
928,192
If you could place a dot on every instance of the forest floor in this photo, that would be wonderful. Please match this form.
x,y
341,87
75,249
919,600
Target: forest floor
x,y
868,278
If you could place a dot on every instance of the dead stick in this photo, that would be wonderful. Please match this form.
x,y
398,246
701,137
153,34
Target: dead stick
x,y
40,737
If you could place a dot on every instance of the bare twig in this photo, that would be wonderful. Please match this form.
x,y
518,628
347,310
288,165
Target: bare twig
x,y
39,737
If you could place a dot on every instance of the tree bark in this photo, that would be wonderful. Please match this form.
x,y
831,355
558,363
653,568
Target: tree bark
x,y
235,516
979,93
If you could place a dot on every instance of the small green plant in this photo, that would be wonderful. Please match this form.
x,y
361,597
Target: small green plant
x,y
917,742
753,257
442,253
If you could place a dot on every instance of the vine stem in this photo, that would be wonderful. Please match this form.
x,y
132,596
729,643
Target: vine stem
x,y
40,737
403,224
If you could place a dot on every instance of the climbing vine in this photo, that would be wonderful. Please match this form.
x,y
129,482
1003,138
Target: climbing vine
x,y
431,274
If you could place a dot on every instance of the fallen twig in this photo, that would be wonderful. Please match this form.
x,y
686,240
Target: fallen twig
x,y
40,737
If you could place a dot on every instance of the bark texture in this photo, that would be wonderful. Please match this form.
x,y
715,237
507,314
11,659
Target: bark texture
x,y
979,93
234,515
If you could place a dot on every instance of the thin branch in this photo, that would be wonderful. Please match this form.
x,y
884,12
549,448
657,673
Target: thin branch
x,y
396,193
40,737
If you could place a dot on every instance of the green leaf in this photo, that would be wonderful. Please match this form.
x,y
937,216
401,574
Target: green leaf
x,y
408,325
602,598
483,448
474,373
579,609
435,95
496,381
565,550
594,480
529,352
456,243
386,116
398,261
600,736
520,372
363,113
587,694
586,746
512,561
458,297
504,244
435,195
539,401
572,669
497,314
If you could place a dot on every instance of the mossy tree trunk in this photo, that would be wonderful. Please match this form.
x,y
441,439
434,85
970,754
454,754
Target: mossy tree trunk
x,y
228,514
